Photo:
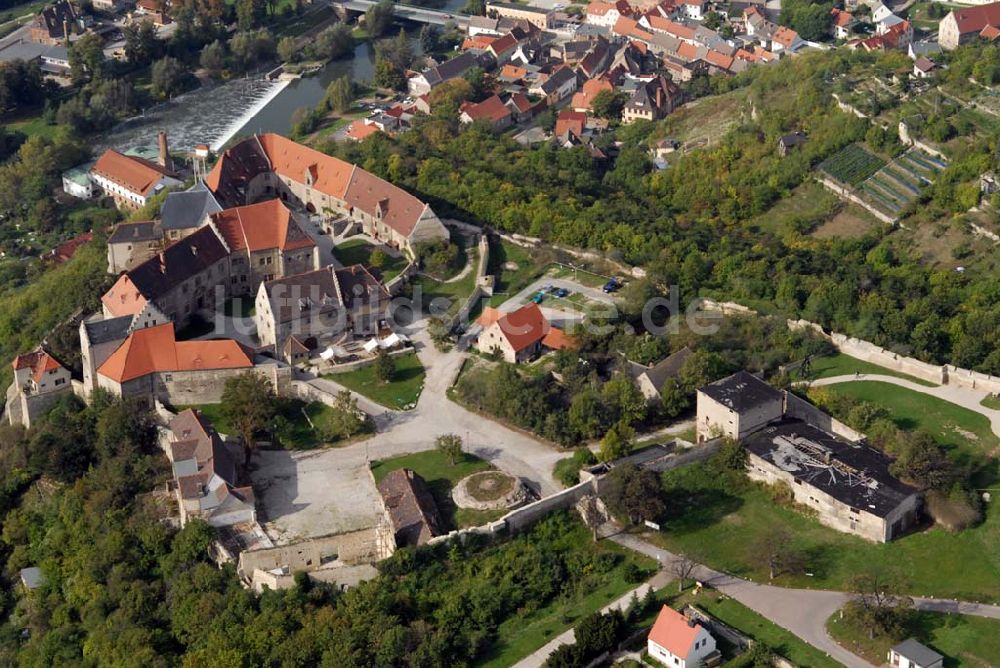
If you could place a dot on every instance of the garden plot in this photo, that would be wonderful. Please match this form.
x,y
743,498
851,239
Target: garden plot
x,y
851,165
898,183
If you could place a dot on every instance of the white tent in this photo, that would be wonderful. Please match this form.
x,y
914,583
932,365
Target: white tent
x,y
371,345
327,354
391,341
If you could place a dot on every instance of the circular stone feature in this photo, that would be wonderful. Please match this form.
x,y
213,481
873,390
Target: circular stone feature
x,y
488,490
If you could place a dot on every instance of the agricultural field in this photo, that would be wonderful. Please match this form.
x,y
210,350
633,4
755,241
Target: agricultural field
x,y
898,183
851,165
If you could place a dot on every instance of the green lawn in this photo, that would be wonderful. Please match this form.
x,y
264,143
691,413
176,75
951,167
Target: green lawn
x,y
991,402
401,392
714,517
840,364
744,619
359,251
32,126
965,641
511,281
441,476
581,276
963,431
297,433
445,296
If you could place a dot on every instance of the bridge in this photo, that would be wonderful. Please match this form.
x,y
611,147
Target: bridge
x,y
411,13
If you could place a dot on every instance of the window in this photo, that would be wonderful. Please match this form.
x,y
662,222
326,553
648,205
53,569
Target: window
x,y
60,381
167,377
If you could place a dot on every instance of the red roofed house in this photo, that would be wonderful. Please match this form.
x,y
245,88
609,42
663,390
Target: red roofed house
x,y
67,249
990,33
607,13
842,23
785,39
570,121
492,110
358,130
584,99
519,335
478,42
270,166
264,243
39,379
152,364
520,106
130,180
966,23
676,642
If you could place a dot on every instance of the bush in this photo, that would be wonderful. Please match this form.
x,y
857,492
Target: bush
x,y
956,511
567,471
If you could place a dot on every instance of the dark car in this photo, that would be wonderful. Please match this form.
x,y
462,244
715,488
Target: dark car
x,y
611,286
562,293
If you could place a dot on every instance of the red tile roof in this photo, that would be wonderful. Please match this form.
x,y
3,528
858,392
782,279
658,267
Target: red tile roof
x,y
291,159
520,102
38,361
990,32
261,226
478,42
661,24
672,632
67,249
841,18
557,339
974,19
513,72
491,109
358,130
131,173
573,121
155,350
591,87
523,327
123,298
504,44
785,36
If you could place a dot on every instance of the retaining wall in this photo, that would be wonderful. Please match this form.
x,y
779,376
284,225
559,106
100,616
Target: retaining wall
x,y
946,374
846,193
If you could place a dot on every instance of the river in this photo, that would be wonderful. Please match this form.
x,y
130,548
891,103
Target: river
x,y
212,115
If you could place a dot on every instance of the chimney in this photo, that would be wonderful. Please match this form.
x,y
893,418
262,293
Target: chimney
x,y
164,153
659,97
163,263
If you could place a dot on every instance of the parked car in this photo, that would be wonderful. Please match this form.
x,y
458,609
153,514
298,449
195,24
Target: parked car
x,y
562,293
538,298
611,286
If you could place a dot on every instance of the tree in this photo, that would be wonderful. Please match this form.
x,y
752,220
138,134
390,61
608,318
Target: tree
x,y
213,57
682,567
86,56
340,96
378,258
430,38
379,17
385,367
142,46
445,99
249,14
450,445
335,42
248,403
772,549
387,75
617,442
633,493
878,606
920,460
169,76
346,418
608,104
288,49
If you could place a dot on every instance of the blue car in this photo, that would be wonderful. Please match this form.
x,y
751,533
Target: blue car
x,y
562,292
611,286
538,298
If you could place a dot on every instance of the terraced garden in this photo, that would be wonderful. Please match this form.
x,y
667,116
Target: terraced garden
x,y
851,165
898,183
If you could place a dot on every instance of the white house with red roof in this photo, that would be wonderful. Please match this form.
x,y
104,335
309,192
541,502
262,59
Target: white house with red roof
x,y
842,23
39,379
678,642
607,13
492,110
964,24
130,180
519,335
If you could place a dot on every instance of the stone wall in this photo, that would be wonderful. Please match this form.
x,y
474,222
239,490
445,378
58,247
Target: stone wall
x,y
805,411
866,351
848,194
353,547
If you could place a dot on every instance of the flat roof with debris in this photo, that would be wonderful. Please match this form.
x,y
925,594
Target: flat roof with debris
x,y
853,473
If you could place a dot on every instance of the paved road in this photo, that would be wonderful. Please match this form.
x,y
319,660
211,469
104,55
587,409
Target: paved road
x,y
801,611
959,396
313,493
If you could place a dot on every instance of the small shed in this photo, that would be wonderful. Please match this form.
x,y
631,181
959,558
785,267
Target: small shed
x,y
32,578
912,654
789,143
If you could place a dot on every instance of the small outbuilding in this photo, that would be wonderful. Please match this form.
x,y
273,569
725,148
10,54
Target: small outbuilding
x,y
912,654
678,642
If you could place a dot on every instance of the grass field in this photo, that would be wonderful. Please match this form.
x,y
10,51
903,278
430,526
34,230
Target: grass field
x,y
744,619
440,296
513,280
714,519
297,433
965,432
400,393
359,251
845,365
441,476
991,402
965,641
